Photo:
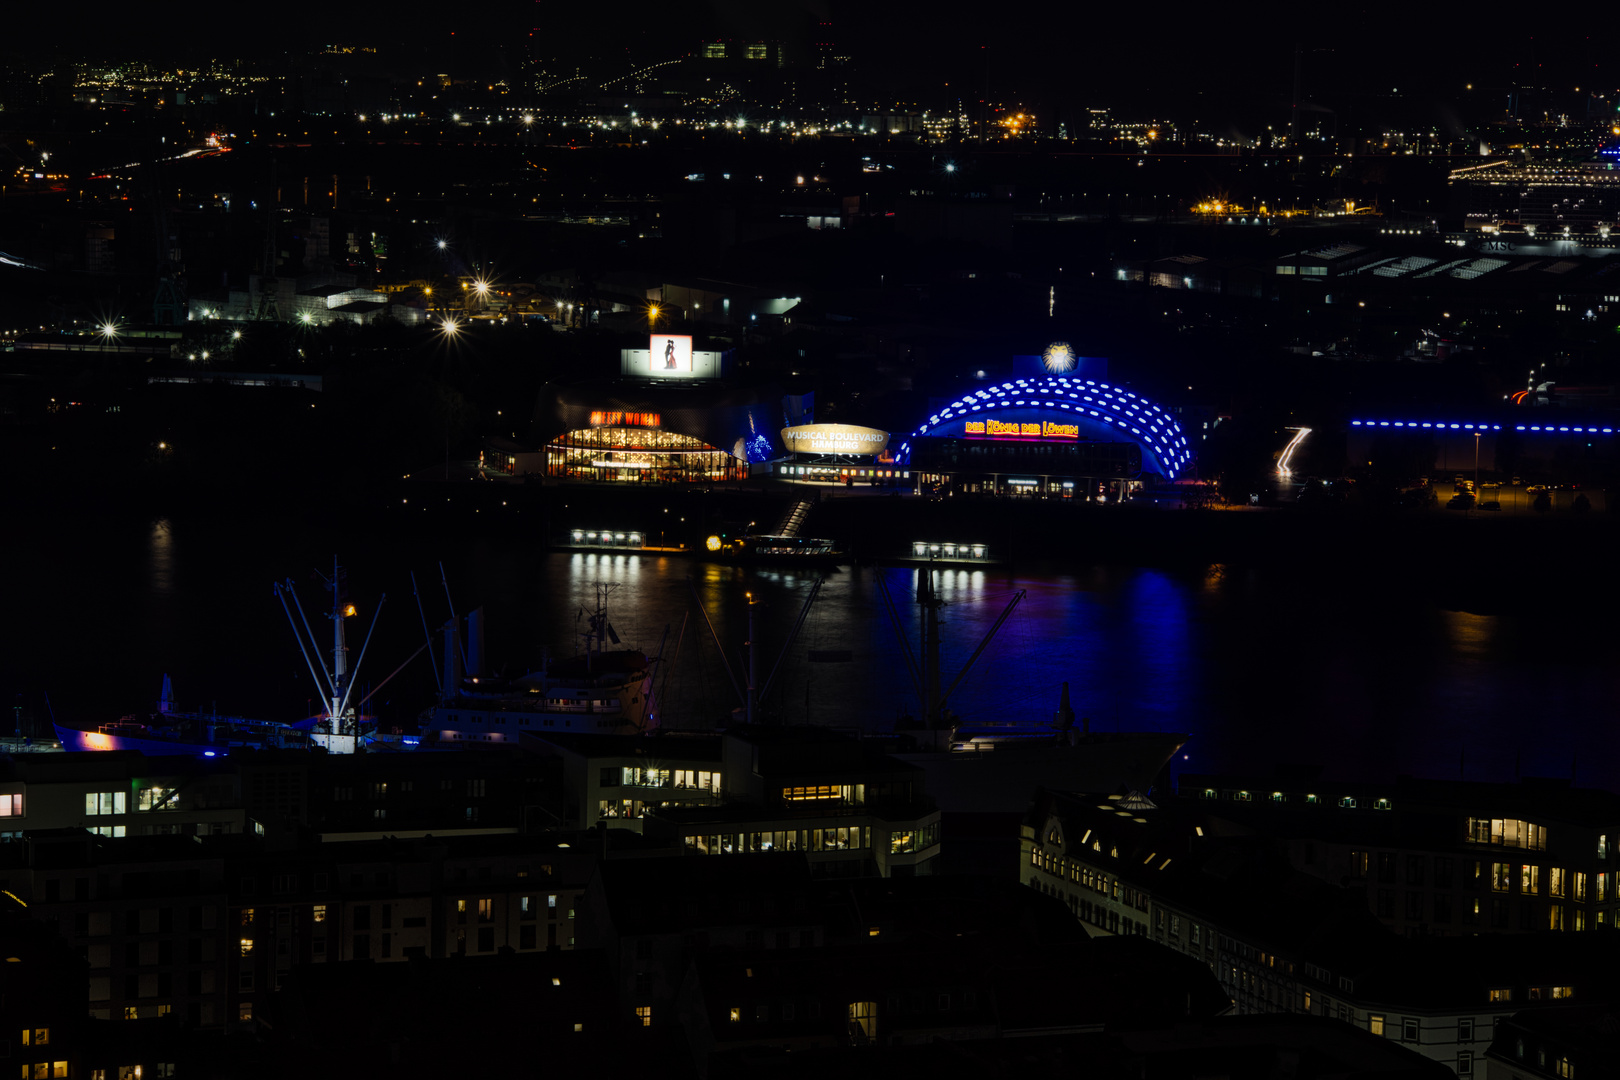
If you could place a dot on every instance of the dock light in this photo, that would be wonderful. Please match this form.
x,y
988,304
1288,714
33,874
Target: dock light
x,y
712,543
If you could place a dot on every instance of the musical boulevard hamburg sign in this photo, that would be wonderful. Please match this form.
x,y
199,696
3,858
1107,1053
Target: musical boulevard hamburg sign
x,y
835,439
996,429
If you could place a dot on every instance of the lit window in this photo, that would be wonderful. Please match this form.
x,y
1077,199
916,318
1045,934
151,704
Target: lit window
x,y
1375,1024
11,805
247,946
319,913
863,1015
155,798
644,1014
244,1011
736,1014
105,802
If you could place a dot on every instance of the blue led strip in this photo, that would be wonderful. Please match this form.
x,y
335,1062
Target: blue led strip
x,y
1130,413
1436,425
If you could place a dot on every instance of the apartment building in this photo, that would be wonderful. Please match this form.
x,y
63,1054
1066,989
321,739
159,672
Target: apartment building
x,y
1283,940
118,793
1443,857
852,810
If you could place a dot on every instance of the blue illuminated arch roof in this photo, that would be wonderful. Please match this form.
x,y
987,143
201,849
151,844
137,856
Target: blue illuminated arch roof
x,y
1164,445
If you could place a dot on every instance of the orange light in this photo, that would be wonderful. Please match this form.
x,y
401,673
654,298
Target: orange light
x,y
349,610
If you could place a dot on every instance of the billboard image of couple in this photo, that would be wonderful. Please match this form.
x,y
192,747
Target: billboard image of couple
x,y
670,352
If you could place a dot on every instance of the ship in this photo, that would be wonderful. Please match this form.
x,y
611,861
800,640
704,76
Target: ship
x,y
996,766
599,690
986,767
339,728
168,730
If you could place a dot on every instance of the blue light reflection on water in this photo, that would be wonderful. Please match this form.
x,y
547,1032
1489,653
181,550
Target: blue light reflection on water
x,y
1263,667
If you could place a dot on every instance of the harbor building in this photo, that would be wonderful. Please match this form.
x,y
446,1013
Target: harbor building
x,y
670,417
1055,432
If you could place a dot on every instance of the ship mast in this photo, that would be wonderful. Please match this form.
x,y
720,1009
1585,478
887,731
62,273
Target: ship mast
x,y
929,603
597,627
340,649
925,676
333,682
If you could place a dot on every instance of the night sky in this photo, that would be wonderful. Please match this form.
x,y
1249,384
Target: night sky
x,y
1098,54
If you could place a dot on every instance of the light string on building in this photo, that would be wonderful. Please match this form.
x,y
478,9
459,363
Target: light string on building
x,y
1153,427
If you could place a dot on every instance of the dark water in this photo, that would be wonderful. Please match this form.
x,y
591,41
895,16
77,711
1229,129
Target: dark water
x,y
1360,675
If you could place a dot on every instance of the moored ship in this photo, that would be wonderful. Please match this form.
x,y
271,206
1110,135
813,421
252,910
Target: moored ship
x,y
167,730
991,768
597,691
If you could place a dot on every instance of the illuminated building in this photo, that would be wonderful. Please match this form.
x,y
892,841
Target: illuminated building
x,y
669,419
852,811
1052,435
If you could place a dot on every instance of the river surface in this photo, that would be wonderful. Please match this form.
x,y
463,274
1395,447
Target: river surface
x,y
1362,676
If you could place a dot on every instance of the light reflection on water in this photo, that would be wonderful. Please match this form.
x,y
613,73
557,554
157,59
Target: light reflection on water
x,y
1363,676
161,548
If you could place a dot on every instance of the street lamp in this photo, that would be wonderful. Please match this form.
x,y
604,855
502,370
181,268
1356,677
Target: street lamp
x,y
1476,465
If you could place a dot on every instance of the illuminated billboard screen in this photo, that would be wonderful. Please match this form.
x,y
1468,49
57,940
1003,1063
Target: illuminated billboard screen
x,y
834,439
670,354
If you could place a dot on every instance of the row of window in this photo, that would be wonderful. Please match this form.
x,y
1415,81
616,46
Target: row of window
x,y
379,789
843,838
1082,874
1529,877
1507,832
791,1010
1559,881
649,776
1346,802
852,794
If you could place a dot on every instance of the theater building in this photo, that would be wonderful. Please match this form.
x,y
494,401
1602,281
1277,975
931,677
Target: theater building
x,y
1051,435
668,418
